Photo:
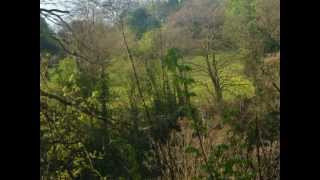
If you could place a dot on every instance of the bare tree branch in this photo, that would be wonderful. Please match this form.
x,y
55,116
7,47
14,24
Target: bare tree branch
x,y
52,11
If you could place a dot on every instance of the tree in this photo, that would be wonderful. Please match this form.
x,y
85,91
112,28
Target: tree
x,y
141,85
47,44
141,21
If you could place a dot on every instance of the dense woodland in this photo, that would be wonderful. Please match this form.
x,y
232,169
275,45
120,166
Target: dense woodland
x,y
160,89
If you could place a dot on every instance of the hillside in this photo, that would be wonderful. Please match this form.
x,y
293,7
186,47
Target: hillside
x,y
177,89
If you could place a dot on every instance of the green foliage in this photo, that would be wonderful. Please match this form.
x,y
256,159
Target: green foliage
x,y
65,73
172,58
99,120
47,44
192,150
228,161
141,21
244,26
